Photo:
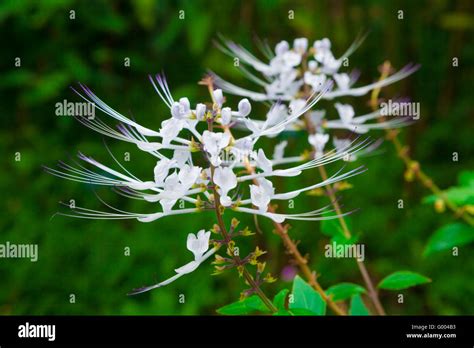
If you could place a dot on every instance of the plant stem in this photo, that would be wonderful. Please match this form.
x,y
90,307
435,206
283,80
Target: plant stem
x,y
248,277
410,164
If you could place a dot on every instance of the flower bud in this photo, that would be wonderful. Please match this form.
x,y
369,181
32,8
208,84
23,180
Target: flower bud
x,y
200,111
439,206
226,116
312,65
281,47
176,110
218,97
300,45
244,107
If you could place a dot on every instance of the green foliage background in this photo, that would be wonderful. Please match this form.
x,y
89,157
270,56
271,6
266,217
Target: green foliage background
x,y
86,258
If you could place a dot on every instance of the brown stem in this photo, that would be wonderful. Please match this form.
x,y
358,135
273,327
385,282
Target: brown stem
x,y
248,277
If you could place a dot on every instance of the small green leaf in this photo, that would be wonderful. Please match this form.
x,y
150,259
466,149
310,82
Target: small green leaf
x,y
357,306
344,291
402,280
305,297
448,236
248,305
332,228
279,299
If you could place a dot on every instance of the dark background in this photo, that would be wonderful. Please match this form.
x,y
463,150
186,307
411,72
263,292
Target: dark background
x,y
86,258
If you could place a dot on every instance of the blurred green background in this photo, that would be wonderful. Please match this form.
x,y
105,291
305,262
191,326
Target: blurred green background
x,y
86,258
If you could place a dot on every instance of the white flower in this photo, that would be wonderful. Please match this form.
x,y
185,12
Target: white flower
x,y
346,112
181,109
284,83
170,129
263,162
343,81
198,244
172,191
213,144
262,193
161,170
318,141
284,62
188,175
277,114
180,157
176,186
323,45
316,81
242,148
225,178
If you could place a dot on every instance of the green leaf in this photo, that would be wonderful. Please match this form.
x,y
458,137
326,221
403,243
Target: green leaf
x,y
332,228
358,306
279,299
305,297
344,291
248,305
448,236
402,280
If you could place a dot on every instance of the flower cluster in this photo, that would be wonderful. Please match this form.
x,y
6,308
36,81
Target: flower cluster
x,y
294,72
202,134
176,177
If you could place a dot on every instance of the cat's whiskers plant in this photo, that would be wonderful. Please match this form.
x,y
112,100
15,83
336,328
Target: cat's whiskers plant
x,y
207,187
